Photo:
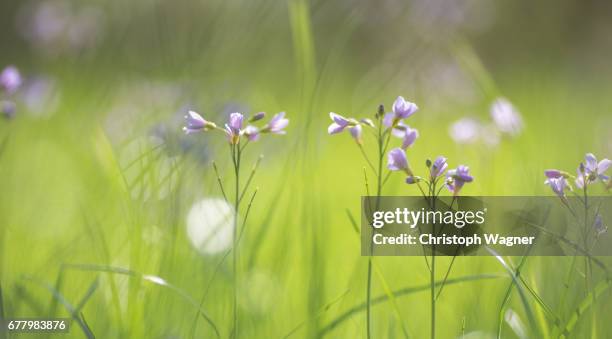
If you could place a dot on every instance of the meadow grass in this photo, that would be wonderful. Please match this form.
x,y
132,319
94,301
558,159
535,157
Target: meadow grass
x,y
92,217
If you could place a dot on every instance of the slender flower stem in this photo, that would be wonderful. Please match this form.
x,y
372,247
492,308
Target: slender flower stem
x,y
246,214
588,274
432,272
367,159
219,181
248,182
586,218
236,155
378,193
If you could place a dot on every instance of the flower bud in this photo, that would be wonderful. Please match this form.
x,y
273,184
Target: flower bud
x,y
412,180
381,111
428,163
257,116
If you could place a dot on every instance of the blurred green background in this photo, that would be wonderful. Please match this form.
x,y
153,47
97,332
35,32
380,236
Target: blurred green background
x,y
97,179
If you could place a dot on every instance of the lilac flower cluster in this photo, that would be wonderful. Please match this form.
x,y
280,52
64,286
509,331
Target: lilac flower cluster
x,y
393,125
10,82
234,129
589,172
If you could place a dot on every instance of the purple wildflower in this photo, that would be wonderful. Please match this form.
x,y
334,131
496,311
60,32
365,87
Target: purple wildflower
x,y
553,173
591,170
233,128
277,124
356,133
252,133
599,226
596,170
437,168
10,79
399,127
507,119
558,186
410,136
339,123
403,109
195,123
580,176
456,178
397,161
235,122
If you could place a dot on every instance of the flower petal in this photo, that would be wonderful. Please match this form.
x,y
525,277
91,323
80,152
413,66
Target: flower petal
x,y
603,166
591,163
335,128
338,119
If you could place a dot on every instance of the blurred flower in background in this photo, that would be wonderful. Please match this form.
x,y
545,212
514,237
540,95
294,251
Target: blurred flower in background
x,y
10,80
40,96
465,131
507,119
58,26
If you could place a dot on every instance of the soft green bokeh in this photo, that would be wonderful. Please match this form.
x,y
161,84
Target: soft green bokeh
x,y
104,176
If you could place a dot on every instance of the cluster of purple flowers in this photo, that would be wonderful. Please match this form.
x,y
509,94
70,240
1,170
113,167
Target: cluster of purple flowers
x,y
397,159
234,129
10,82
589,172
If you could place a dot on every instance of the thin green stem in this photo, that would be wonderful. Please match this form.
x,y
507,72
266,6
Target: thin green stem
x,y
367,159
432,273
585,238
219,180
246,214
386,178
248,182
381,156
236,155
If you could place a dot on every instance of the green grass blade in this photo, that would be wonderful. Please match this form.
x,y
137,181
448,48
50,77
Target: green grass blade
x,y
586,303
152,279
321,311
517,273
398,293
67,305
518,285
392,299
573,245
352,220
2,333
90,291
